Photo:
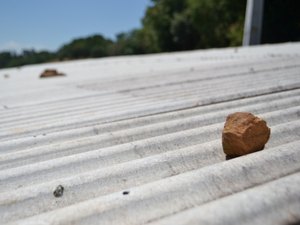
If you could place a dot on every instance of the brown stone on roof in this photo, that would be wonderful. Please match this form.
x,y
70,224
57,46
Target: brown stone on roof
x,y
244,133
50,73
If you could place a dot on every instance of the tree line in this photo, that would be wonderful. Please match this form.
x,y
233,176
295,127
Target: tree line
x,y
171,25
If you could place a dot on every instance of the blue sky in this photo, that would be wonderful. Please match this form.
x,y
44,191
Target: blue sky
x,y
42,24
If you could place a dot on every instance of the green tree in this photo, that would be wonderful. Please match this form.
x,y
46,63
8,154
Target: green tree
x,y
157,23
133,42
189,24
5,58
11,59
93,46
219,23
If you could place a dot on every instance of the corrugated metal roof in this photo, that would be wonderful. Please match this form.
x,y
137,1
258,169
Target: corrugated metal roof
x,y
136,140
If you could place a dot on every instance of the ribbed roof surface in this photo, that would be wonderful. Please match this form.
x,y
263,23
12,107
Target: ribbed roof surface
x,y
136,140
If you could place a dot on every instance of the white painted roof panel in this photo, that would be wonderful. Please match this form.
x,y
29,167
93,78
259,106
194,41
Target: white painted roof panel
x,y
137,139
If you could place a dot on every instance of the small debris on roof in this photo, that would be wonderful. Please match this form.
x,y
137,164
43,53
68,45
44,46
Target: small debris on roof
x,y
6,76
59,191
244,133
50,73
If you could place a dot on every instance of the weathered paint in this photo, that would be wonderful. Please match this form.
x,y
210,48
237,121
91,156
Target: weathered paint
x,y
133,140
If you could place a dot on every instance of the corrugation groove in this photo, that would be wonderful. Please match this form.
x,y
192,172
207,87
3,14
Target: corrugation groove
x,y
132,113
283,97
174,117
161,198
93,103
151,126
260,205
206,118
75,114
126,138
62,103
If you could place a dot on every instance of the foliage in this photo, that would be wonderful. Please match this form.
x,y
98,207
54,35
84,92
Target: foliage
x,y
90,47
133,42
158,22
175,25
11,59
191,24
